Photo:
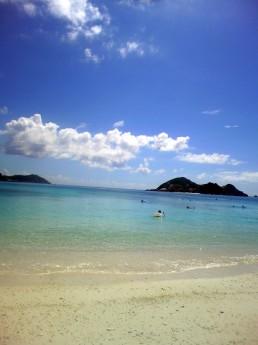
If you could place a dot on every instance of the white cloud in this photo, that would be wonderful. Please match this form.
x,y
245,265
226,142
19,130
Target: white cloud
x,y
136,3
164,143
81,16
235,162
137,48
85,19
90,57
78,12
202,176
111,150
119,124
232,176
211,112
231,126
204,158
93,31
30,8
4,110
4,171
144,167
131,47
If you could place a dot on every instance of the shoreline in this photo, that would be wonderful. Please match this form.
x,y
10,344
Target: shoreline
x,y
217,307
158,262
84,278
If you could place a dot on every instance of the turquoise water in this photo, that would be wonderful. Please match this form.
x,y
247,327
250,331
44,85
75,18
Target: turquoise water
x,y
50,228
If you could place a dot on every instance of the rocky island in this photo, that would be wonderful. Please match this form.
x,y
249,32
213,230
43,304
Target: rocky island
x,y
183,185
24,178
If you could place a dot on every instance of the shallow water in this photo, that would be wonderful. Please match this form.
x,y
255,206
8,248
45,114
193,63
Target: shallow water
x,y
50,228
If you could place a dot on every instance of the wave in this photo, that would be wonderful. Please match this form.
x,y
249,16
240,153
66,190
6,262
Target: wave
x,y
157,267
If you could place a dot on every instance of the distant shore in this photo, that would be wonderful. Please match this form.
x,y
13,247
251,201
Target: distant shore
x,y
99,309
24,178
184,185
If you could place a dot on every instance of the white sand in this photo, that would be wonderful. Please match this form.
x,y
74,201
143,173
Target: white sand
x,y
82,310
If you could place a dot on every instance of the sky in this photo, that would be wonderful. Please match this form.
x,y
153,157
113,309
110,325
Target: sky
x,y
130,93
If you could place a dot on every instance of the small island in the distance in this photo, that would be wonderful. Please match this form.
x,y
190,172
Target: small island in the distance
x,y
24,178
183,185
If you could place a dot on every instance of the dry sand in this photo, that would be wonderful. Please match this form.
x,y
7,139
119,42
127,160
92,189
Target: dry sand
x,y
84,309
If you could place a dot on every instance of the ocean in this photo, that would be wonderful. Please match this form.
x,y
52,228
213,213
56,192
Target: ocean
x,y
48,229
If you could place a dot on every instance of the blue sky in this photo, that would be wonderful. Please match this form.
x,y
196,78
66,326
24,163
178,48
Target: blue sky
x,y
130,93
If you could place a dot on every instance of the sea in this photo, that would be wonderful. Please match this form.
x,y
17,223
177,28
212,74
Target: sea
x,y
46,229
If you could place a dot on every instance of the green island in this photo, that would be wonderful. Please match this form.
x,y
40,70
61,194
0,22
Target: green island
x,y
24,178
184,185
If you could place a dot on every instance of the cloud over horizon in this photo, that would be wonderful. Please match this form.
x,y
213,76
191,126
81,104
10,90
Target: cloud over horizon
x,y
203,158
29,136
235,176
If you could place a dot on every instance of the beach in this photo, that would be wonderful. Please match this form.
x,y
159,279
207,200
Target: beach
x,y
196,308
91,266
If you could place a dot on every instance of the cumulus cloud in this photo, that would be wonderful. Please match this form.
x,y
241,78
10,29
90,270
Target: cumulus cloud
x,y
77,12
82,16
111,150
214,158
164,143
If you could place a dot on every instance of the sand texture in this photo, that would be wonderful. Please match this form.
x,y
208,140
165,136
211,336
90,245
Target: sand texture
x,y
187,311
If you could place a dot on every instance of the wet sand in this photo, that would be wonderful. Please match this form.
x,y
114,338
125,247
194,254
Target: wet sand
x,y
91,309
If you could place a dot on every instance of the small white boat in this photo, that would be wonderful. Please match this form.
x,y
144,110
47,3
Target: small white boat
x,y
159,214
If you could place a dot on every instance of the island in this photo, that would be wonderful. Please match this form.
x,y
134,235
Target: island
x,y
24,178
184,185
